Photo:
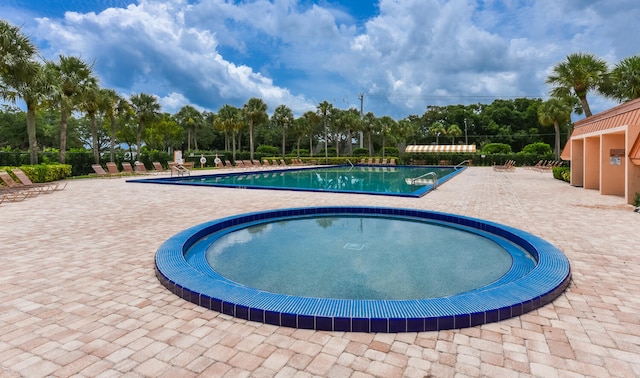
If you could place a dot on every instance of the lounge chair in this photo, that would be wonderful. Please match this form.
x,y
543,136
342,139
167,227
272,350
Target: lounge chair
x,y
377,161
227,164
509,166
157,166
283,163
265,163
392,161
370,161
140,168
384,161
112,168
97,168
46,187
126,166
12,187
274,163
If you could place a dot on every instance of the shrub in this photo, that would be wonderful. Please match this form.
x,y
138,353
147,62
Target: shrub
x,y
562,173
496,148
636,200
538,148
360,152
391,151
268,150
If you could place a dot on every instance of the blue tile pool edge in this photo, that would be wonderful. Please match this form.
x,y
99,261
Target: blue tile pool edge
x,y
488,304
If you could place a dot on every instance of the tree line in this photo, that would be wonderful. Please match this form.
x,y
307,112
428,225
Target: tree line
x,y
66,107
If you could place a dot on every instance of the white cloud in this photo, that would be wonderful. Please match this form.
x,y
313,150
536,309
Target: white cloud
x,y
412,54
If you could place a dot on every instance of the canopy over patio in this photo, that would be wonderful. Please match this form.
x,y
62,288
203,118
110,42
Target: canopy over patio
x,y
471,148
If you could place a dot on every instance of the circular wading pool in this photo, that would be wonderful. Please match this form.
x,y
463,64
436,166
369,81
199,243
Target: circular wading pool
x,y
362,269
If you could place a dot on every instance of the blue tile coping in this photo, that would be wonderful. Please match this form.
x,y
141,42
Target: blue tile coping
x,y
510,296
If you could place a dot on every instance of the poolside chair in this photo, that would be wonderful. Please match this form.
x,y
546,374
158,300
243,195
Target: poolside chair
x,y
140,168
46,187
265,163
283,163
227,164
370,161
112,168
12,187
392,161
256,163
97,168
384,161
274,163
126,166
157,166
377,161
509,166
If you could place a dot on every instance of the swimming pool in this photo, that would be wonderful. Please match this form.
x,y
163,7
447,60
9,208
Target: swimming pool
x,y
182,266
403,181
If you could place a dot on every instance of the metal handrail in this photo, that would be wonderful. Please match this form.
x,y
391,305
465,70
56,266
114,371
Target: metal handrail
x,y
435,179
460,164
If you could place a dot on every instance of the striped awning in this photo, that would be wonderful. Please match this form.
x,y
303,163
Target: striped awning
x,y
471,148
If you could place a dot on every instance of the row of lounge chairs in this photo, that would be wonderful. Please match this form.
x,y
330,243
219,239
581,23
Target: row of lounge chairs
x,y
24,188
546,165
376,161
509,166
266,163
127,169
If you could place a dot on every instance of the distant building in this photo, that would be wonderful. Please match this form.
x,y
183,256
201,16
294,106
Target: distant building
x,y
604,150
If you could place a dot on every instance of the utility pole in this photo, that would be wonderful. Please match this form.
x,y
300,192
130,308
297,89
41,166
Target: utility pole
x,y
361,98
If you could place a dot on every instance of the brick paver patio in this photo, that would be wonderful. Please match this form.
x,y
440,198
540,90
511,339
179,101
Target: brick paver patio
x,y
78,294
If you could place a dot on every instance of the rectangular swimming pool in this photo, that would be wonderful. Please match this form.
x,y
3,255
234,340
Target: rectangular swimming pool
x,y
403,181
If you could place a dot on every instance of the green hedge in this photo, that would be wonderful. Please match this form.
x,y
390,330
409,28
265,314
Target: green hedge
x,y
562,173
43,172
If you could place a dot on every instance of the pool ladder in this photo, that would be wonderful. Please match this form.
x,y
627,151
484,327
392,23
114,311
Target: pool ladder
x,y
460,165
435,179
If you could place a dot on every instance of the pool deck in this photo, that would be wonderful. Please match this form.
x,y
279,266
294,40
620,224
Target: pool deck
x,y
79,297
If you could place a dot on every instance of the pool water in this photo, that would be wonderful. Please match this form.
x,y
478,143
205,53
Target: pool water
x,y
351,257
405,181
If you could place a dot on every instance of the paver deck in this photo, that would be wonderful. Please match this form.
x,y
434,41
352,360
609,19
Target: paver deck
x,y
78,294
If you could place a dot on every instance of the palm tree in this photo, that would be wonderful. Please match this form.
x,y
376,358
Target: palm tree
x,y
229,121
386,125
624,80
554,111
90,102
312,122
110,105
283,117
577,75
72,78
255,113
191,120
146,109
454,131
324,110
368,124
22,77
437,129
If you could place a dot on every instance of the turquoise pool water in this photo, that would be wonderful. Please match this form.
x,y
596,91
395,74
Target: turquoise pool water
x,y
368,257
406,181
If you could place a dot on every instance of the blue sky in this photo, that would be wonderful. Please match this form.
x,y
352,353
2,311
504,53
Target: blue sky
x,y
403,55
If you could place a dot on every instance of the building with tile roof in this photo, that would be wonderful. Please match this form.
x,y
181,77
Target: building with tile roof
x,y
604,151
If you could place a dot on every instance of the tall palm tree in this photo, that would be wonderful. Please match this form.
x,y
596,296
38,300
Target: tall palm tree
x,y
311,124
283,117
255,113
90,102
146,109
624,80
436,129
72,78
22,77
577,75
324,111
554,111
454,131
109,106
386,124
229,121
368,125
191,120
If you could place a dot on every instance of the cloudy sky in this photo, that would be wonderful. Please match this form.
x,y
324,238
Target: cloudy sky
x,y
401,54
